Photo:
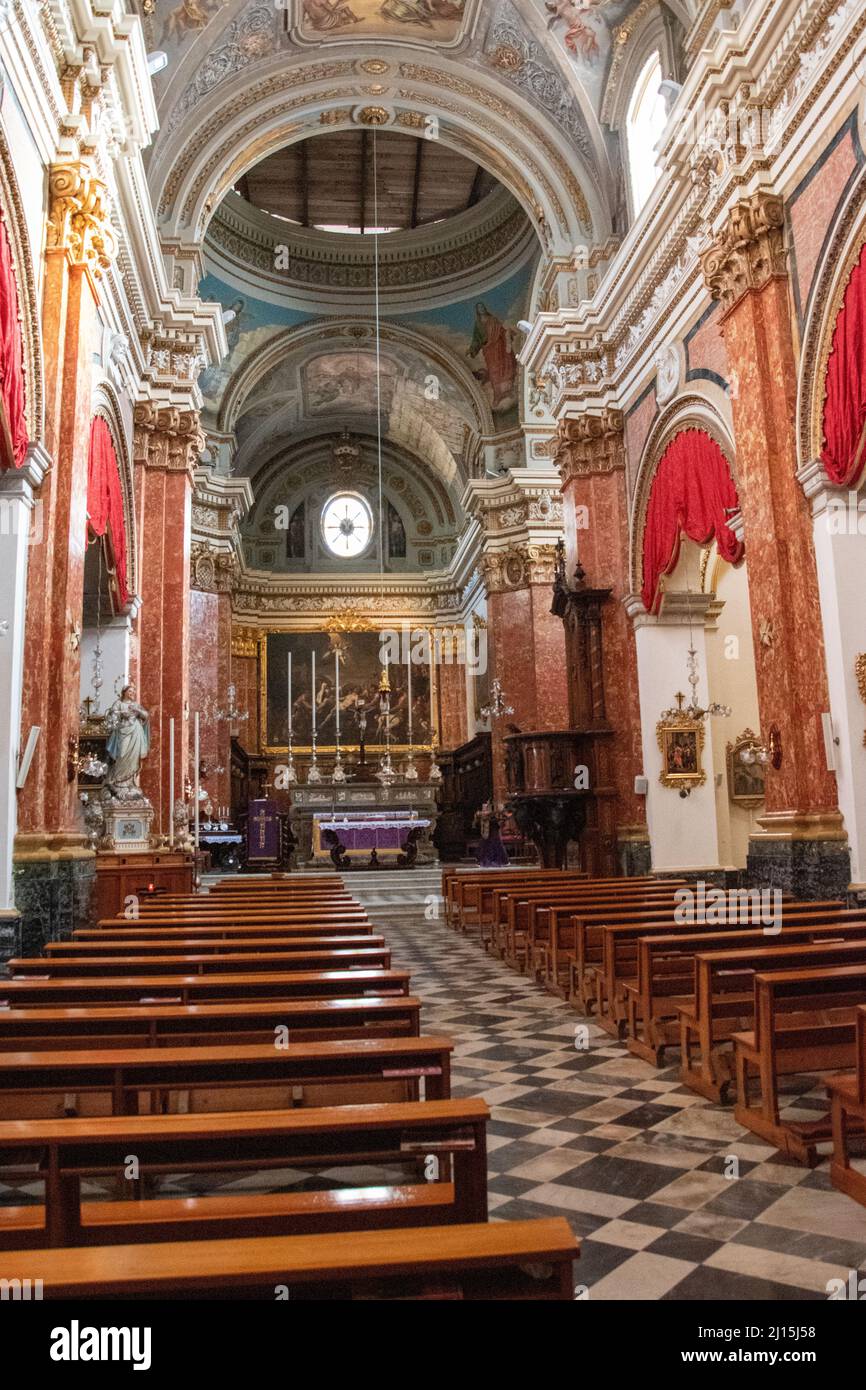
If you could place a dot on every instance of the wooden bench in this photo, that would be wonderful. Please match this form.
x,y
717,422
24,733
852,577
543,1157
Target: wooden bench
x,y
64,1152
723,1003
57,967
619,963
506,1260
474,895
236,917
137,931
510,934
183,945
214,1025
848,1113
186,989
549,932
666,972
804,1022
45,1082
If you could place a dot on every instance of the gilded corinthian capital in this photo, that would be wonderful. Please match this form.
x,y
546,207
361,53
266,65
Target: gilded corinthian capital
x,y
749,251
590,444
78,216
167,437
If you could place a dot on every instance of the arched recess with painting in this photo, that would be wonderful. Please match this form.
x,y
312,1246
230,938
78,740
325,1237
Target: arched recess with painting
x,y
23,464
694,638
110,600
832,471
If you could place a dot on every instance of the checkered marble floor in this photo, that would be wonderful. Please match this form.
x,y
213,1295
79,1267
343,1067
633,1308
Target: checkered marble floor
x,y
636,1162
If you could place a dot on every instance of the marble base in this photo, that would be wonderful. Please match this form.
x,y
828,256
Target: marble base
x,y
810,869
52,895
10,935
634,854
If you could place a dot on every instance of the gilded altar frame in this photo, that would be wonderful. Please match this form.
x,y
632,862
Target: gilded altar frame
x,y
347,623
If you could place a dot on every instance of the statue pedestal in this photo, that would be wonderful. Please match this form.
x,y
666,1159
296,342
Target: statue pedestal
x,y
127,825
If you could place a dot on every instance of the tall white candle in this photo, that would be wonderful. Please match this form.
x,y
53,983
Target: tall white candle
x,y
289,696
337,671
409,684
196,755
314,693
171,782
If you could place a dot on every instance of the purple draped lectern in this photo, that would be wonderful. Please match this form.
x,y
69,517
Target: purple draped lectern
x,y
263,833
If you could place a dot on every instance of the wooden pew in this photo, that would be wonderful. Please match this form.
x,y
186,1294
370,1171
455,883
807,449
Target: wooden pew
x,y
804,1021
137,931
619,964
848,1113
527,940
214,1025
186,945
42,1082
513,909
57,967
238,917
723,1003
67,1151
473,895
666,972
512,1260
187,989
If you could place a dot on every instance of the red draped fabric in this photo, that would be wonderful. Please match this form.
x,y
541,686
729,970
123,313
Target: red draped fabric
x,y
844,452
693,492
13,445
105,499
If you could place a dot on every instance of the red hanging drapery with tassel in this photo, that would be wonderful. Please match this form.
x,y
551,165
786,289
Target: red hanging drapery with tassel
x,y
105,500
13,425
693,492
844,451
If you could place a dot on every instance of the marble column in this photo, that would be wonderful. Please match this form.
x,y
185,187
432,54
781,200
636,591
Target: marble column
x,y
166,441
451,699
801,845
53,863
526,645
590,456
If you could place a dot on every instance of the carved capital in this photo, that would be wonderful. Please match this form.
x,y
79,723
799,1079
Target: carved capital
x,y
212,570
518,566
167,437
590,444
78,216
750,250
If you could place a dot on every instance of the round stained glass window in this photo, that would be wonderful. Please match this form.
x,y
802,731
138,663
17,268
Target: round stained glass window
x,y
347,525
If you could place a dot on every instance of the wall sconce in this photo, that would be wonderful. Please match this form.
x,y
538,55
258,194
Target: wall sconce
x,y
776,747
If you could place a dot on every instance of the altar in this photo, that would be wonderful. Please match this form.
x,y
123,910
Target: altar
x,y
365,817
360,833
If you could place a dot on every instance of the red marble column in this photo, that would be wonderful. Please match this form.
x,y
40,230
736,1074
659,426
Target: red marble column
x,y
210,677
746,271
47,803
526,646
451,704
591,461
165,444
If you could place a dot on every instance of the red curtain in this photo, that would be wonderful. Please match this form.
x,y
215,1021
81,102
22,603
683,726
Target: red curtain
x,y
693,491
105,499
13,445
844,451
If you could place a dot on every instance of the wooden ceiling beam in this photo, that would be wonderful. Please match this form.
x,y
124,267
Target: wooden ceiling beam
x,y
362,211
416,187
475,190
305,183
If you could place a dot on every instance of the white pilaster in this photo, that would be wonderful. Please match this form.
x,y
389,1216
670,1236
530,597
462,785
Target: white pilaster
x,y
683,831
20,526
839,529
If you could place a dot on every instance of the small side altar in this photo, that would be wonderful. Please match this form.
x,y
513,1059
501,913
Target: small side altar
x,y
364,817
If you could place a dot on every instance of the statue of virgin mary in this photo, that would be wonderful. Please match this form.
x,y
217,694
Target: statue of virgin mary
x,y
127,746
